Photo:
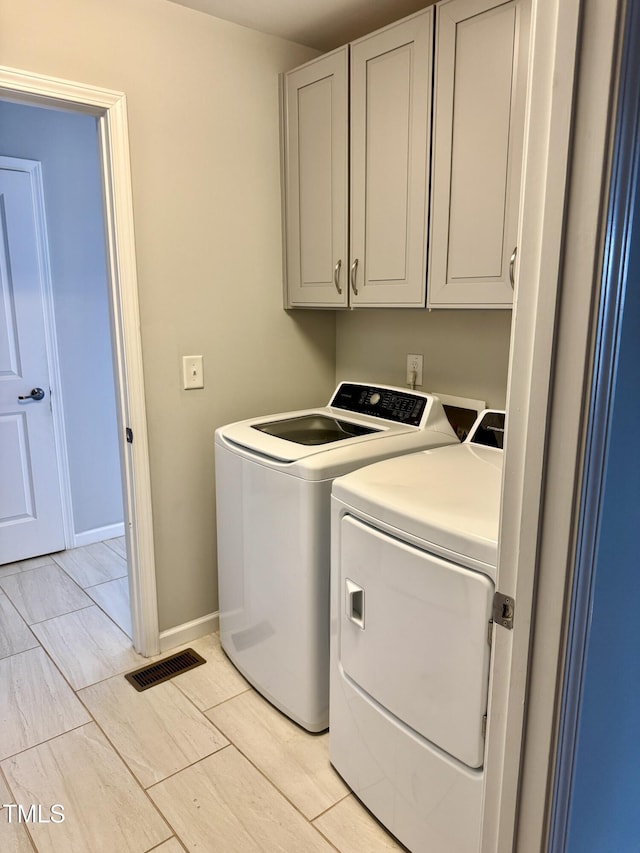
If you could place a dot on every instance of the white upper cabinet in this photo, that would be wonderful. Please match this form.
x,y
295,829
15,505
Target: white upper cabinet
x,y
388,153
316,181
390,138
362,153
479,94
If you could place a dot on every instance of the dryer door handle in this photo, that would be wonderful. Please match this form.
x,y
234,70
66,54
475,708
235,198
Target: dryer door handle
x,y
355,603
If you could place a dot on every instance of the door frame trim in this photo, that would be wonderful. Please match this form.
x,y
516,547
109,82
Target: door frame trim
x,y
573,71
547,136
110,110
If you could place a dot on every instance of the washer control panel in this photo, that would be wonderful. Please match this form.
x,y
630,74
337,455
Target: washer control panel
x,y
392,404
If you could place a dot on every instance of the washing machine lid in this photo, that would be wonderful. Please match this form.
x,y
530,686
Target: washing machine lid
x,y
314,430
357,415
449,497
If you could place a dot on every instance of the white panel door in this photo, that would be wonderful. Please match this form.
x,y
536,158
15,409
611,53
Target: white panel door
x,y
30,501
316,162
390,131
479,93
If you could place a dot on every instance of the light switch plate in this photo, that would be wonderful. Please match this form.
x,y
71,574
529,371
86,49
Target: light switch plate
x,y
192,372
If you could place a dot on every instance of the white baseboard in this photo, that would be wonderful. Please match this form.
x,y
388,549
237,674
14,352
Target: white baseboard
x,y
98,534
185,633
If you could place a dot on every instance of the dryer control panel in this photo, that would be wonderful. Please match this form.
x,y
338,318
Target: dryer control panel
x,y
488,430
393,404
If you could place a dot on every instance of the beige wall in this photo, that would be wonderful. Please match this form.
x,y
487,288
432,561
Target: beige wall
x,y
203,118
466,353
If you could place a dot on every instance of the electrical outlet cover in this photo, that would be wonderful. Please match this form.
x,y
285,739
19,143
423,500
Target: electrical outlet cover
x,y
414,364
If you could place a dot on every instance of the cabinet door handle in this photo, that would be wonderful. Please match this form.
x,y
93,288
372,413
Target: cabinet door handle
x,y
354,273
512,264
336,275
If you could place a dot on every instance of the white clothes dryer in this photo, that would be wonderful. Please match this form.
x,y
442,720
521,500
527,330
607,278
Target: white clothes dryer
x,y
273,490
414,554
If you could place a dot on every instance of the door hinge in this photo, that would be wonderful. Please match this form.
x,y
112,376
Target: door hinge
x,y
484,726
129,433
490,632
503,610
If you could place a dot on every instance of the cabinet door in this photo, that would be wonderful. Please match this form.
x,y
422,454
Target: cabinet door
x,y
390,130
479,93
316,157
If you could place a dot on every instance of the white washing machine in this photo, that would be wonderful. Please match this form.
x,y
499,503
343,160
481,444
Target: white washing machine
x,y
273,490
414,553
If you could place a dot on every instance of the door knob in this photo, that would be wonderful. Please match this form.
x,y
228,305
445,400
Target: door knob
x,y
36,394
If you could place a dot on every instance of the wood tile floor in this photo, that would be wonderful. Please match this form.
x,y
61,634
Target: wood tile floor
x,y
199,763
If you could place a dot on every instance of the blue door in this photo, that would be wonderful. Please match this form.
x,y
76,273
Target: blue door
x,y
597,795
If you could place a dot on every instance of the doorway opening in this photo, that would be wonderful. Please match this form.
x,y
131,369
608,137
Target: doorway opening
x,y
108,109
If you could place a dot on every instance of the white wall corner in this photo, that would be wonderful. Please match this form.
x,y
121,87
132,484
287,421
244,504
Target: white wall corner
x,y
189,631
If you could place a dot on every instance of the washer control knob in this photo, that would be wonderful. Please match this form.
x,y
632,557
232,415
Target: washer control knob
x,y
374,399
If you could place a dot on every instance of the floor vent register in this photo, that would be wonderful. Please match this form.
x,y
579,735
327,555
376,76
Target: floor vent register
x,y
163,670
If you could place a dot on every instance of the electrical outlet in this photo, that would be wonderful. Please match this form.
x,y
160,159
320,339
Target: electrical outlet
x,y
192,372
414,370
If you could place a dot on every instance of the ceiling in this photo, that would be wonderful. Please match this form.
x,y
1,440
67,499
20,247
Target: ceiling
x,y
323,24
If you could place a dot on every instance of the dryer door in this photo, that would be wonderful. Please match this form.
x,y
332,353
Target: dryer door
x,y
414,636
